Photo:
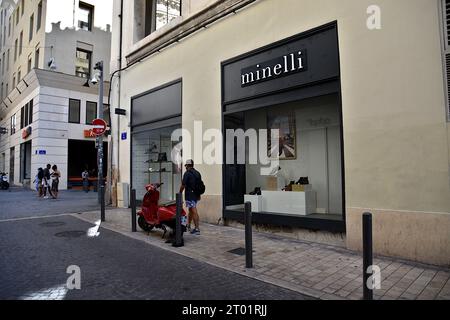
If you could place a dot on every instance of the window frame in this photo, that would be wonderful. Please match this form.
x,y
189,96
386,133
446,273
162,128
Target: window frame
x,y
39,17
150,16
90,62
21,43
31,31
13,124
79,111
90,8
95,114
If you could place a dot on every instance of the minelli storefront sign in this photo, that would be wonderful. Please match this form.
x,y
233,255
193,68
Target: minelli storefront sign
x,y
279,67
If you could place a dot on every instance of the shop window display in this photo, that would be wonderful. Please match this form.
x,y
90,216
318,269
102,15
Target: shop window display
x,y
151,163
308,180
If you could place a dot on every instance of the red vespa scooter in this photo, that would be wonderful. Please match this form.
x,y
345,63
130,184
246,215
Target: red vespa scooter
x,y
156,215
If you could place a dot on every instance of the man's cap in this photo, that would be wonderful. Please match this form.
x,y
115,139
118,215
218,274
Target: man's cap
x,y
189,163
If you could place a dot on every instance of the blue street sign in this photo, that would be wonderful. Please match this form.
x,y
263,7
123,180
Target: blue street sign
x,y
124,136
41,152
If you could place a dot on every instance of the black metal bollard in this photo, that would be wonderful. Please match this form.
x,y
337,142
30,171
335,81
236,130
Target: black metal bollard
x,y
248,236
179,242
133,211
367,254
102,203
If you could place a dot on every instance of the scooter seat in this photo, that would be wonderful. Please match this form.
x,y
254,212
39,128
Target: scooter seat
x,y
168,204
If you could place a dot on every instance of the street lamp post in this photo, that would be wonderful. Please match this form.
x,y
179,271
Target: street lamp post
x,y
101,186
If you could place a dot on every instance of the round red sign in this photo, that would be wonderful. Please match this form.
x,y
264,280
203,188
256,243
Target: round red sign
x,y
99,127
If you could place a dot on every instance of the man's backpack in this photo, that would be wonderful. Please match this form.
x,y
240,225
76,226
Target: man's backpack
x,y
200,187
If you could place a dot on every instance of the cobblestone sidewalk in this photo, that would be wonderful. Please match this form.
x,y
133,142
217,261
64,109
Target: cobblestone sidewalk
x,y
317,270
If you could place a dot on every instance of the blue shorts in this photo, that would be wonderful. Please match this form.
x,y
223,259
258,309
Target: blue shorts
x,y
191,204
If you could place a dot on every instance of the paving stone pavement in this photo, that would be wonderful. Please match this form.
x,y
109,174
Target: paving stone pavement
x,y
317,270
36,253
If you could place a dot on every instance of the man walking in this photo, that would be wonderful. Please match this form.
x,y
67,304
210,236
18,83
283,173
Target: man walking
x,y
46,182
192,185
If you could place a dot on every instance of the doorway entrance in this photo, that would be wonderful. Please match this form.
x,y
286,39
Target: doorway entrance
x,y
12,156
83,155
25,163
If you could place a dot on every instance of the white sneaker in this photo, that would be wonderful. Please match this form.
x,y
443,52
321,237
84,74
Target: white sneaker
x,y
46,197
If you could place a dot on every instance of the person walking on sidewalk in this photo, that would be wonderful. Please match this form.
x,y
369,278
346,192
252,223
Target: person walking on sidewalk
x,y
193,187
46,182
56,175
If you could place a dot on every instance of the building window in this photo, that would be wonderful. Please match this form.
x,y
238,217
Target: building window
x,y
17,16
3,63
19,76
7,60
1,93
9,27
30,63
16,46
158,13
74,111
30,110
83,63
31,27
13,124
86,14
39,16
36,58
26,115
91,112
21,43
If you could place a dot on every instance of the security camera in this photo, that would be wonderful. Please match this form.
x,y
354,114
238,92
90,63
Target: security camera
x,y
52,64
94,80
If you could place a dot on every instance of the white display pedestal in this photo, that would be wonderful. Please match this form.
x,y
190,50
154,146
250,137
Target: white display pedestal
x,y
256,202
295,203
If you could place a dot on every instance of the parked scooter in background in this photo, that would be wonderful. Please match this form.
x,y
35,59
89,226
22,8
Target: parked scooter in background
x,y
4,181
156,215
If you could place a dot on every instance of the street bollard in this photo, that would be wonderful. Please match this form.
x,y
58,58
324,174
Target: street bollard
x,y
248,236
367,254
179,242
133,211
102,203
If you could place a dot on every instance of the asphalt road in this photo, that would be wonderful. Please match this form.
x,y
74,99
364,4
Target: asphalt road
x,y
20,203
36,252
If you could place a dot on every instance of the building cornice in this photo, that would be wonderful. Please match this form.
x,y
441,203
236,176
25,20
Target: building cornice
x,y
186,27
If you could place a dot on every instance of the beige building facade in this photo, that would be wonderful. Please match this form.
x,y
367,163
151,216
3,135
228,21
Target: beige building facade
x,y
364,111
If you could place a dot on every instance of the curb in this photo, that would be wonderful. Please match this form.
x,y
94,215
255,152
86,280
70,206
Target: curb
x,y
312,293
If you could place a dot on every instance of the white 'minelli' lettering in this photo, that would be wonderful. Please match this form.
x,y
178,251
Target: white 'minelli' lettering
x,y
290,64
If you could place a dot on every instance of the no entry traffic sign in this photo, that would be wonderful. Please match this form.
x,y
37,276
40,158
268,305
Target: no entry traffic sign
x,y
99,127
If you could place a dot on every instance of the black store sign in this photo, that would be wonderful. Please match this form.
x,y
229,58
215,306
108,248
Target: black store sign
x,y
310,58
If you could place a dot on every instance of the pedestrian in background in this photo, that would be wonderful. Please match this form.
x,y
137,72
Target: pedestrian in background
x,y
38,182
46,182
56,175
85,177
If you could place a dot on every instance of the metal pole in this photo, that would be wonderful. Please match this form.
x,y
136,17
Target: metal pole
x,y
99,67
133,211
367,254
102,203
178,227
248,236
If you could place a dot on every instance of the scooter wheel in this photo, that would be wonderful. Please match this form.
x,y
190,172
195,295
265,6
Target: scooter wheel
x,y
144,225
